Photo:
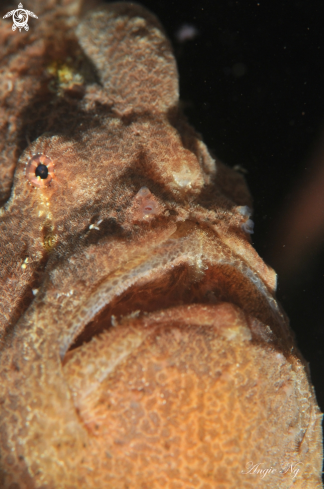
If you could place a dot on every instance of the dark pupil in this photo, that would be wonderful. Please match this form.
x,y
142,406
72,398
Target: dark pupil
x,y
41,171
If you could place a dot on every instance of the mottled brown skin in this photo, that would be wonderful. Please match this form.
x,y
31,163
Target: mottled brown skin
x,y
141,342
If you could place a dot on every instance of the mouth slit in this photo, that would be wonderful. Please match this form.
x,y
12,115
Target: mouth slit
x,y
183,285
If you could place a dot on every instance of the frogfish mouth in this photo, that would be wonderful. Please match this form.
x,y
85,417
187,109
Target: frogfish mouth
x,y
142,345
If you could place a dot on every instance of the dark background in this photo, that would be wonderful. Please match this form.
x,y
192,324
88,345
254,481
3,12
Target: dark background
x,y
252,84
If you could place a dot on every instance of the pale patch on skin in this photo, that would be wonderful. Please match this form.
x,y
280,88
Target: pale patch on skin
x,y
96,226
145,206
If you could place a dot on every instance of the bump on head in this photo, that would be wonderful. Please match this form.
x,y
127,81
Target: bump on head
x,y
145,206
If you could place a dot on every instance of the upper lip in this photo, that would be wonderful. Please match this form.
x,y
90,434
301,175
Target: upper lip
x,y
143,278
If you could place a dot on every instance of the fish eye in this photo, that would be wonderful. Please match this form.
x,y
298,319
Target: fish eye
x,y
40,170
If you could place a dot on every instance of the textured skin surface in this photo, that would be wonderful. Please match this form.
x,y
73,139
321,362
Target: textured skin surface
x,y
141,342
23,80
201,402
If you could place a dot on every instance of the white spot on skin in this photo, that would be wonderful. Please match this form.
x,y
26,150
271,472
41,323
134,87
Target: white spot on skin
x,y
96,226
182,179
35,291
244,210
280,358
66,294
143,192
248,226
24,264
